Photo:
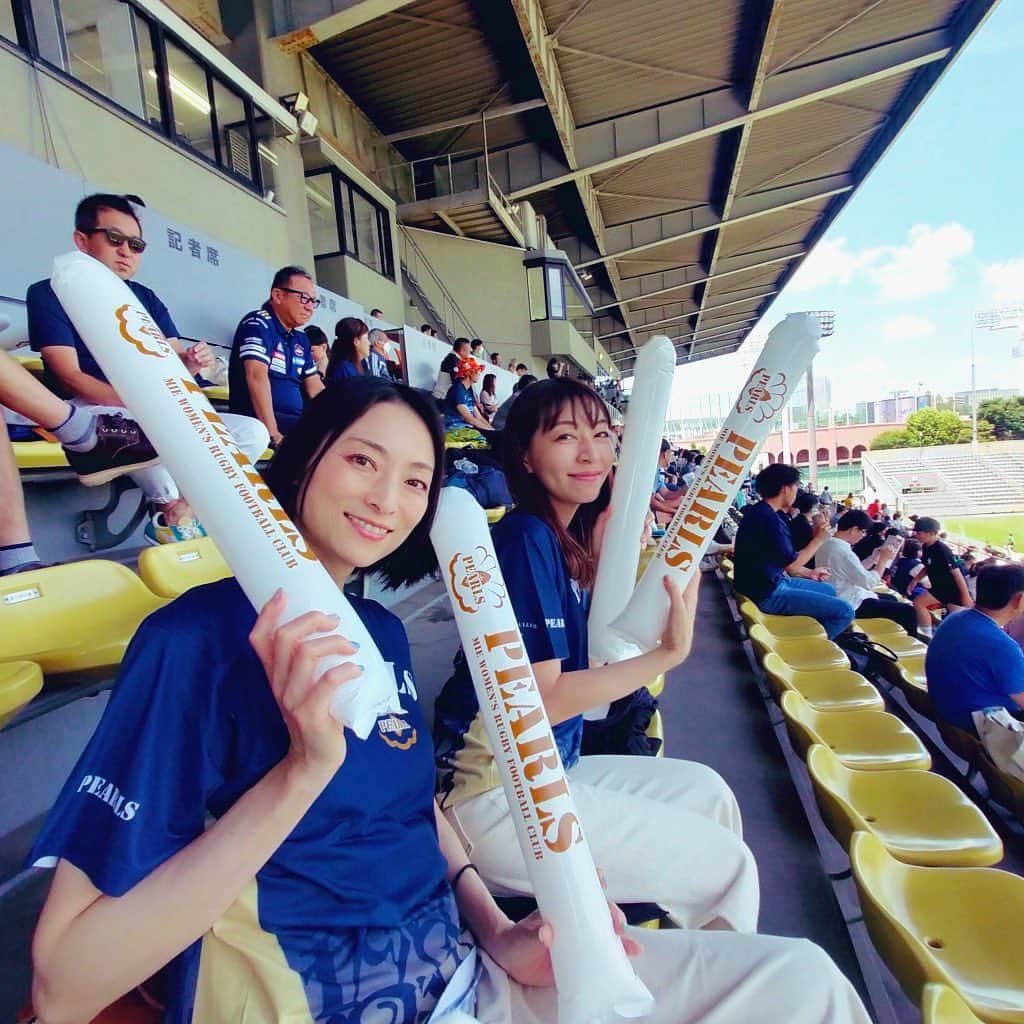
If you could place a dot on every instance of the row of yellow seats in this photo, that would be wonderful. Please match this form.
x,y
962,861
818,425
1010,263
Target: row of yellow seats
x,y
915,841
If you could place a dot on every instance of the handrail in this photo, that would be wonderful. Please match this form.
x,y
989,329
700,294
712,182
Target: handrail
x,y
447,297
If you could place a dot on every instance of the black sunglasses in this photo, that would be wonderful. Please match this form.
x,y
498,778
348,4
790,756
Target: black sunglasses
x,y
306,300
118,238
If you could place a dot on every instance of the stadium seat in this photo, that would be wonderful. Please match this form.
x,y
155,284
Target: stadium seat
x,y
171,569
955,926
656,730
781,626
866,740
656,685
902,645
879,628
216,392
20,681
76,617
941,1005
921,817
809,653
496,514
32,363
964,744
1005,789
39,455
908,675
830,689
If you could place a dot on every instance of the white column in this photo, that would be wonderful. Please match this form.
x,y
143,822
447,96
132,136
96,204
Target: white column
x,y
812,440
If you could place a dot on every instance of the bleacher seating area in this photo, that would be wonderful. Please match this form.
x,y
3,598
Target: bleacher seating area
x,y
919,809
950,479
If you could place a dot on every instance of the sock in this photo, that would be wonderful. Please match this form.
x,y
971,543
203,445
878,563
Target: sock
x,y
12,555
78,431
926,630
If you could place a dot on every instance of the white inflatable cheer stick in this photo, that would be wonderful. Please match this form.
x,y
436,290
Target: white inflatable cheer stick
x,y
631,497
595,981
786,355
263,547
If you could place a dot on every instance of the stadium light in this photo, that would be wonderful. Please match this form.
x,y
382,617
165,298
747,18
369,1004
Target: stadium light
x,y
989,320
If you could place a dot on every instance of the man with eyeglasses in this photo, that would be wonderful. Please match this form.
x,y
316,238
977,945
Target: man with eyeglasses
x,y
108,228
272,366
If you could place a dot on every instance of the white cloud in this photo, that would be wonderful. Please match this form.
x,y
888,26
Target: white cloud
x,y
1004,282
924,265
903,328
829,263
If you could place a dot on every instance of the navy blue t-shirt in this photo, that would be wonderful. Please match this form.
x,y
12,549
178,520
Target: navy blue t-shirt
x,y
552,614
971,665
354,902
342,371
48,325
287,354
458,394
763,550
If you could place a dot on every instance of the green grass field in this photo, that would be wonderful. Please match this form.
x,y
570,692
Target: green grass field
x,y
988,529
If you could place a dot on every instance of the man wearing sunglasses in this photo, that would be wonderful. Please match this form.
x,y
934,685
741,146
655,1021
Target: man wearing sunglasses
x,y
272,369
107,227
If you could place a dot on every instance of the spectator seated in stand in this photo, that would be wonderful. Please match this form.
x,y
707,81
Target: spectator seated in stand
x,y
557,368
376,361
665,497
800,522
272,370
98,448
503,410
349,351
521,368
477,350
463,424
855,584
905,578
947,586
109,229
320,347
446,373
972,664
867,547
488,398
495,359
770,572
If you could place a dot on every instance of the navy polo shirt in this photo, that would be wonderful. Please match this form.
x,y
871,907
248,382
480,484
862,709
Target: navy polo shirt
x,y
48,325
971,665
763,550
551,611
458,394
287,354
351,909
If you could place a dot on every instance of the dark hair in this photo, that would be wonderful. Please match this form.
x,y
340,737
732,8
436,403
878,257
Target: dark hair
x,y
460,343
523,382
911,548
521,366
475,344
665,446
315,335
805,501
925,524
490,383
376,313
555,367
770,481
538,408
87,211
322,422
854,519
998,585
424,328
285,274
346,330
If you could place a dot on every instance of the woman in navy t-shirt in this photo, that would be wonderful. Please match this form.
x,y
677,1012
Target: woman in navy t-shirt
x,y
662,830
350,349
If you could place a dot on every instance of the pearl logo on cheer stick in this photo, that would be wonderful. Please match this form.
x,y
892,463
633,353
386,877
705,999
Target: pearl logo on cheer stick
x,y
264,548
596,983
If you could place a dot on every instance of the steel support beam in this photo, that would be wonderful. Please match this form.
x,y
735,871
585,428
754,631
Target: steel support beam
x,y
622,140
675,227
301,24
465,122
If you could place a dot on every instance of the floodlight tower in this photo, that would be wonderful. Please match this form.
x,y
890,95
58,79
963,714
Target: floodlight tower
x,y
990,320
827,319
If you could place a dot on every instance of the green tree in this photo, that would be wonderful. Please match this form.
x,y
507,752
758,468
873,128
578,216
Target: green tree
x,y
1006,416
890,439
928,427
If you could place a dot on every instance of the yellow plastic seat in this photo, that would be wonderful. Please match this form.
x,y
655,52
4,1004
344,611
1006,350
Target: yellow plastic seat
x,y
878,627
908,675
32,363
866,740
39,455
171,569
1005,789
216,393
955,926
656,730
830,689
808,652
964,744
496,514
72,618
646,554
903,645
20,681
781,626
656,685
921,817
941,1005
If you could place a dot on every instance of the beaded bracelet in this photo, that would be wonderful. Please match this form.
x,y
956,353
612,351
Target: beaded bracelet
x,y
458,874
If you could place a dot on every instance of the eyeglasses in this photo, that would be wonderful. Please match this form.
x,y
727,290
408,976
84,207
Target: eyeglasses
x,y
306,300
118,238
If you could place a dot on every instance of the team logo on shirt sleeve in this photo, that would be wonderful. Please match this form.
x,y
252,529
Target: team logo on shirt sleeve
x,y
473,580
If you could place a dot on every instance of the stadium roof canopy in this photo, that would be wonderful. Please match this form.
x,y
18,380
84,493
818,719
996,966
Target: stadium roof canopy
x,y
686,154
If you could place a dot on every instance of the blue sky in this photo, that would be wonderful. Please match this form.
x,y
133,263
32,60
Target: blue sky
x,y
935,232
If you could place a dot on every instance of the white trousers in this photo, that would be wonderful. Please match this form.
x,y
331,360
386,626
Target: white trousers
x,y
703,978
155,482
661,831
